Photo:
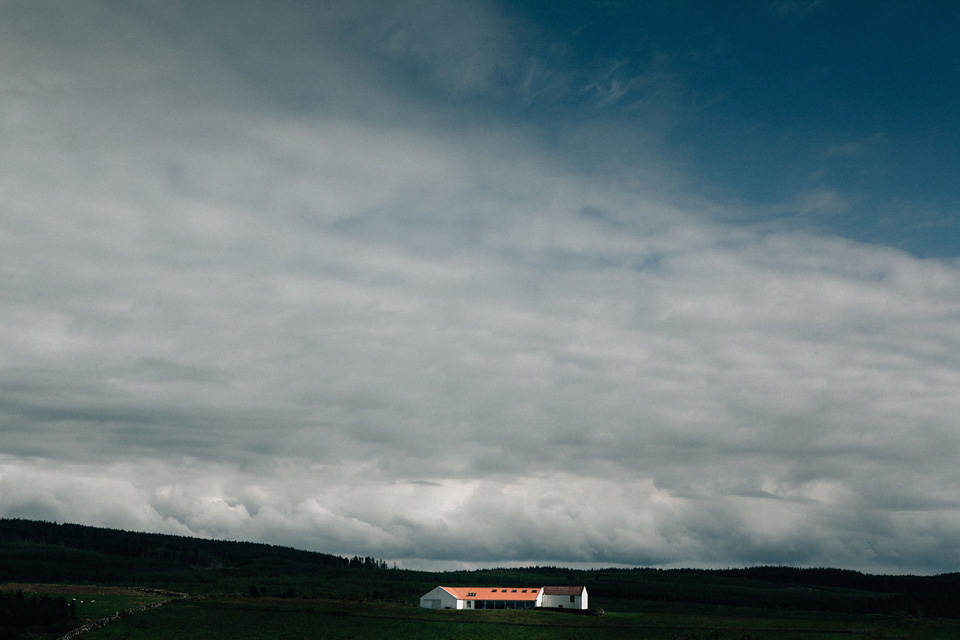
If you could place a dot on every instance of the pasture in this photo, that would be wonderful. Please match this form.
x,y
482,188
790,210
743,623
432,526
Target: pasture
x,y
241,618
91,601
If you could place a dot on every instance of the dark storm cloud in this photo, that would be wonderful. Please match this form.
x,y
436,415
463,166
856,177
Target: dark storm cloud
x,y
259,281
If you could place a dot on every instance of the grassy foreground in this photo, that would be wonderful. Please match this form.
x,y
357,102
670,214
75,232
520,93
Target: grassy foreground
x,y
297,594
281,619
91,601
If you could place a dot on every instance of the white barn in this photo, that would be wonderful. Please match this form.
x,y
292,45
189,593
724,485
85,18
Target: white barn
x,y
504,598
565,597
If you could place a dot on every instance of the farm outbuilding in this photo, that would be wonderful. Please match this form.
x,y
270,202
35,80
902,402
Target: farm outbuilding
x,y
564,597
504,597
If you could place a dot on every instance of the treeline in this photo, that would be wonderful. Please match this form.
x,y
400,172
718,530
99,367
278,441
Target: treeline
x,y
356,562
846,579
33,551
44,551
920,596
194,552
784,588
33,616
769,587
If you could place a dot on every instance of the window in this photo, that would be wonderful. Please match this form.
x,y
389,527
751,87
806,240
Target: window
x,y
572,598
513,590
472,593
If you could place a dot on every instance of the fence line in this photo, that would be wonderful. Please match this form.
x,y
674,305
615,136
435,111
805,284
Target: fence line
x,y
99,622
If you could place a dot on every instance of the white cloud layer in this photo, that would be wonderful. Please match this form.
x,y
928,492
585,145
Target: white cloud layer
x,y
261,297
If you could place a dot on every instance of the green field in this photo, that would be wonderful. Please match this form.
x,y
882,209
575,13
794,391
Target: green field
x,y
277,592
90,601
98,606
282,619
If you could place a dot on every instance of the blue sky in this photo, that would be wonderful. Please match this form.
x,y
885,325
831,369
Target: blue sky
x,y
765,102
487,283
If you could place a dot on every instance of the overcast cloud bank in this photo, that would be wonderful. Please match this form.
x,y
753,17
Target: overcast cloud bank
x,y
287,275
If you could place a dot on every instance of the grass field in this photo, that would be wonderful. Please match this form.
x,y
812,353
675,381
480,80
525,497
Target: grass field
x,y
91,601
297,594
282,619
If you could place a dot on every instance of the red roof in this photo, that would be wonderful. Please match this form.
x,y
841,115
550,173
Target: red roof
x,y
563,591
494,593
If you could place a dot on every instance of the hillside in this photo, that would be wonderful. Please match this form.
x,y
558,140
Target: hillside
x,y
68,553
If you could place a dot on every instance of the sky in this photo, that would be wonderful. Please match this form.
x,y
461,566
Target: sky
x,y
487,283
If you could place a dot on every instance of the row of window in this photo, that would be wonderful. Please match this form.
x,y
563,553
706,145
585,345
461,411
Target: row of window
x,y
474,593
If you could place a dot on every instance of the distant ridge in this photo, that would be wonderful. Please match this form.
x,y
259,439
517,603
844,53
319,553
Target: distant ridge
x,y
36,551
169,547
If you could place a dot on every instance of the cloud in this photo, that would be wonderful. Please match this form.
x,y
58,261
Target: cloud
x,y
463,47
236,311
853,147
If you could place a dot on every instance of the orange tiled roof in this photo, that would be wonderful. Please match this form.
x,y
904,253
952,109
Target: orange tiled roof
x,y
494,593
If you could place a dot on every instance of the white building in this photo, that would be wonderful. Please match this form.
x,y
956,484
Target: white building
x,y
564,597
504,597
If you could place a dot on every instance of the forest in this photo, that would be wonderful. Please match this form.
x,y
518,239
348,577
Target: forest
x,y
45,552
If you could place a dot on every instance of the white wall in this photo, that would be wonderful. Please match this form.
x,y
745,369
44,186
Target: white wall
x,y
579,602
440,598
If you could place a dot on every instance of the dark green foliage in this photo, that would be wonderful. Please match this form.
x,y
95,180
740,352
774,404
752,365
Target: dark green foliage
x,y
715,634
356,562
246,618
46,552
49,552
31,616
161,550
